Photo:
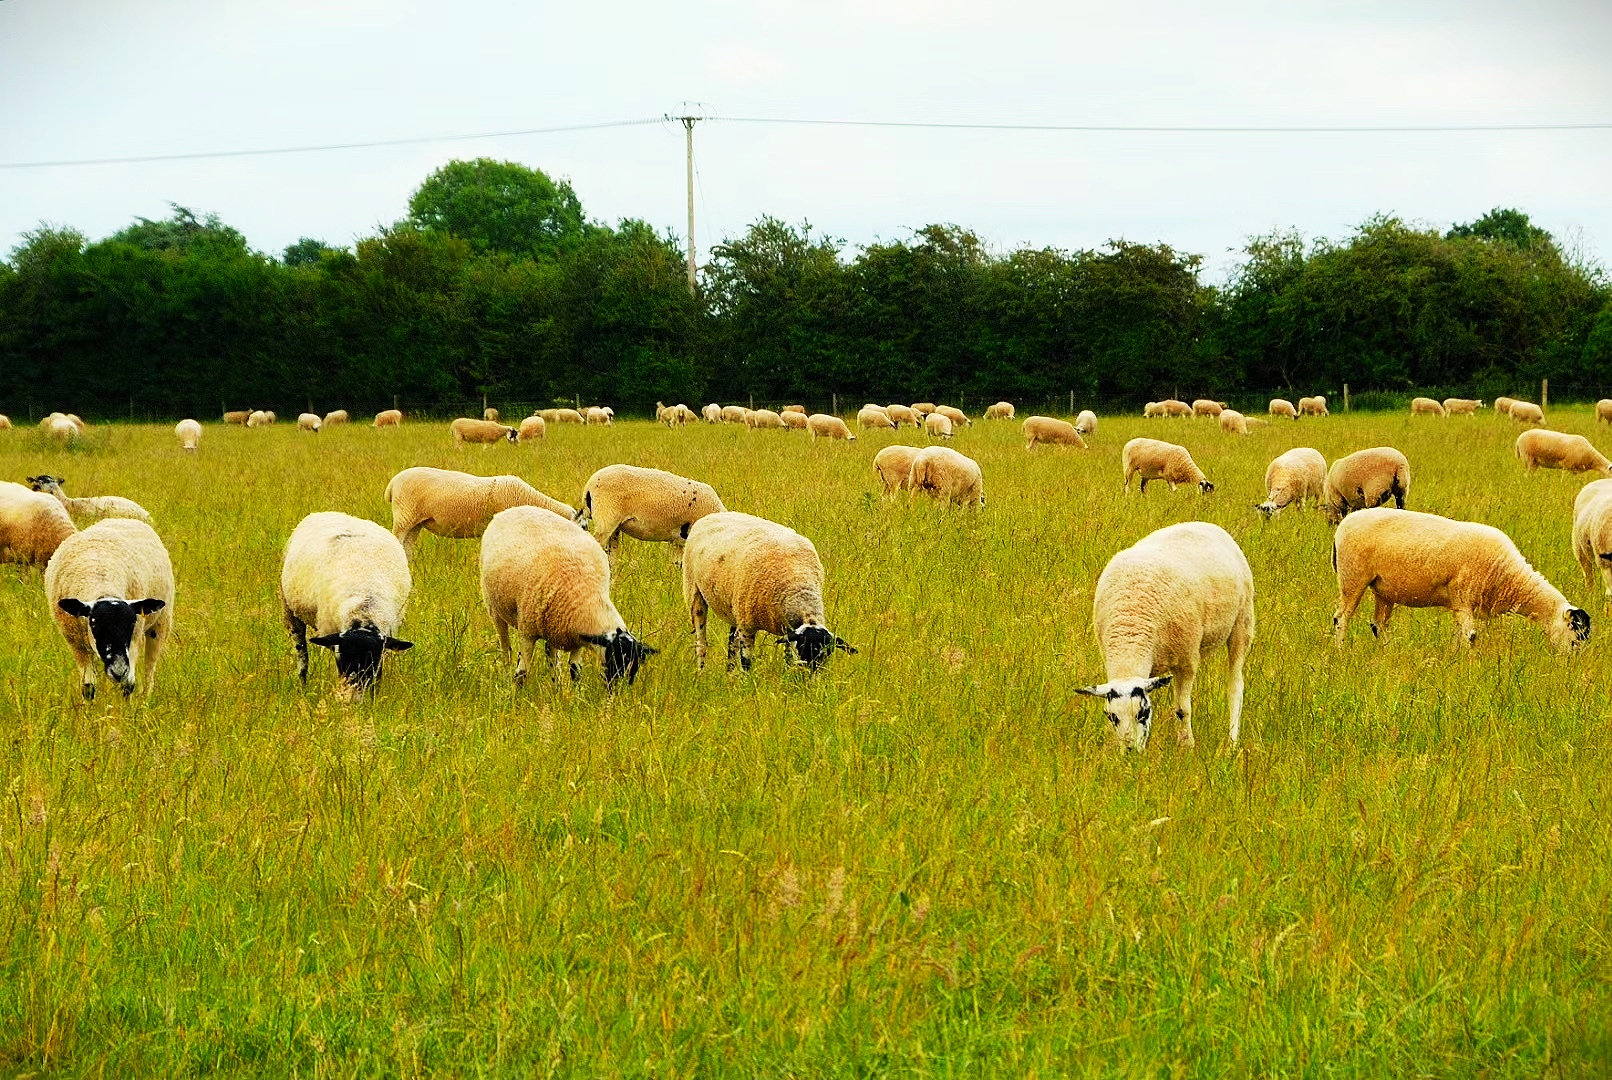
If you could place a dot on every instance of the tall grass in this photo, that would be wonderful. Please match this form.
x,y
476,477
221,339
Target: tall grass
x,y
926,859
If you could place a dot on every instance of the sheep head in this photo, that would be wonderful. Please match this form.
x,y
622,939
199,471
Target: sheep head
x,y
623,654
112,623
1128,707
359,650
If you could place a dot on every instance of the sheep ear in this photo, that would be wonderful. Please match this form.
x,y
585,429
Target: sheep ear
x,y
844,646
398,644
78,609
1607,556
647,650
148,607
1162,680
595,639
328,641
1093,691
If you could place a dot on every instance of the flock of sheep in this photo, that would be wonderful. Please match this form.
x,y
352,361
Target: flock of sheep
x,y
1161,606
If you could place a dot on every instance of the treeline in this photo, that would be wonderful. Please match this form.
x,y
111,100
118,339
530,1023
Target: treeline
x,y
496,284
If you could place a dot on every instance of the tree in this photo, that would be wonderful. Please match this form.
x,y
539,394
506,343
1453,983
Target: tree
x,y
305,252
1509,226
183,232
500,206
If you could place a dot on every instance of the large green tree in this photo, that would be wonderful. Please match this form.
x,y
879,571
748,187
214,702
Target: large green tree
x,y
500,206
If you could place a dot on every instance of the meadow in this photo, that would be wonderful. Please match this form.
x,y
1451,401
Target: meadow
x,y
925,859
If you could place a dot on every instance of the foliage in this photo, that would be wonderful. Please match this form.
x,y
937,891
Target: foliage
x,y
500,206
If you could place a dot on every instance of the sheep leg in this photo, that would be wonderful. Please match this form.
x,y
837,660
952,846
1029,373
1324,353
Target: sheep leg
x,y
299,642
1183,705
1606,581
733,646
156,638
523,662
1349,595
502,628
86,672
408,537
697,609
1242,637
1467,625
1385,611
1144,485
747,642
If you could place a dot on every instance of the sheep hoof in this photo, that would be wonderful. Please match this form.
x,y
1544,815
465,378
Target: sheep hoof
x,y
1374,630
520,676
88,690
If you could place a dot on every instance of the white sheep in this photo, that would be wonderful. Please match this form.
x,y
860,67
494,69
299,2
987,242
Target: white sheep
x,y
1422,560
111,588
309,422
549,580
793,408
484,432
1207,407
259,418
938,425
63,430
712,413
1086,423
348,579
456,505
953,478
1592,534
646,504
1502,406
765,420
1283,407
1454,406
1002,410
389,418
733,414
670,415
872,416
490,413
1174,407
1365,479
1160,608
759,577
5,422
1051,431
189,433
1313,406
1299,474
1537,448
564,416
958,418
32,525
903,415
91,508
1426,406
1233,422
923,408
828,427
794,421
1152,459
1526,412
893,465
1603,411
532,427
238,417
335,416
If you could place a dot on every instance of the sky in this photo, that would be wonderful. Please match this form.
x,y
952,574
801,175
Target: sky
x,y
82,79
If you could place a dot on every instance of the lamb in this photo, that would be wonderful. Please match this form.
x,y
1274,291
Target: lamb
x,y
1455,406
485,432
1205,407
1154,408
948,476
1366,479
490,413
759,577
956,416
923,408
1152,459
1423,560
237,417
1233,422
547,578
1299,474
1313,406
1502,406
190,433
456,505
766,420
32,525
938,425
533,427
645,504
1173,407
259,418
893,465
335,416
1526,412
1002,410
903,415
1052,431
1160,608
111,589
794,421
713,413
1592,534
93,508
348,579
829,427
309,422
1603,411
871,416
1283,407
1086,422
733,414
1426,406
389,418
1537,448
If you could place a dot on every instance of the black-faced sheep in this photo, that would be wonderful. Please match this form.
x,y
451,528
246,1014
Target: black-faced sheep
x,y
1365,479
1151,459
646,504
456,505
91,508
1592,534
32,525
111,590
1051,431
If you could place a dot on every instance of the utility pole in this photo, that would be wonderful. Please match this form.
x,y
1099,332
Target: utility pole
x,y
692,114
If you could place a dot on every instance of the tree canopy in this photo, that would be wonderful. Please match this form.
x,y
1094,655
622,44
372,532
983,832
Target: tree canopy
x,y
500,206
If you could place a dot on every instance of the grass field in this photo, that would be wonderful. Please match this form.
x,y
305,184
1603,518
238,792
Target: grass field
x,y
924,860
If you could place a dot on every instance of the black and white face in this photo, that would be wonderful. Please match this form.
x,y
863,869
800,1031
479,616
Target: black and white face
x,y
1574,629
623,654
815,644
359,650
112,627
1129,707
46,482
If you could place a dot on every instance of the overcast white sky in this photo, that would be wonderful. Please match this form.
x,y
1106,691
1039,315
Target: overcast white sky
x,y
84,79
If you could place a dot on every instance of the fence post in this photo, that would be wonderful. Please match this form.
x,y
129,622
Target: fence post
x,y
1071,403
1345,397
394,401
1544,392
835,410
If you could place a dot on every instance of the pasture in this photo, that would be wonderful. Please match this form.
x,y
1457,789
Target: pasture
x,y
925,859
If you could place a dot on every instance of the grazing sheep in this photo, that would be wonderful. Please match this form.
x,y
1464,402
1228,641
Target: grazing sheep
x,y
1455,406
1052,431
829,427
1603,411
956,416
490,413
1299,474
1502,406
92,508
733,414
237,417
924,408
335,416
1313,406
645,504
5,422
597,415
870,416
259,418
533,427
1002,410
547,578
1152,459
348,579
1160,608
389,418
948,476
938,425
766,420
456,505
713,413
1592,534
1423,560
32,525
1205,407
903,415
1526,412
794,408
794,421
1086,422
190,433
610,414
1537,448
63,430
670,415
552,416
1173,407
1233,422
893,465
1152,409
1283,407
309,422
111,588
565,416
1366,479
1426,406
485,432
759,577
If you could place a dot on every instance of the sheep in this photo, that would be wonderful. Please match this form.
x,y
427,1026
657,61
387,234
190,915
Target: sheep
x,y
794,421
1537,448
1283,407
1603,411
1426,405
733,414
1002,410
1152,459
1366,479
237,417
1454,406
1205,407
610,414
903,415
335,416
1152,409
645,504
794,409
1313,406
713,413
259,418
533,427
893,465
1052,431
1422,560
5,422
938,425
759,577
1173,407
956,416
1592,534
924,408
456,505
597,415
348,579
1526,412
73,419
309,422
32,525
829,427
1502,406
93,508
190,433
948,476
1233,422
766,420
389,418
63,430
1161,607
547,578
871,416
1086,422
552,416
111,589
566,416
670,415
490,413
1299,474
486,432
